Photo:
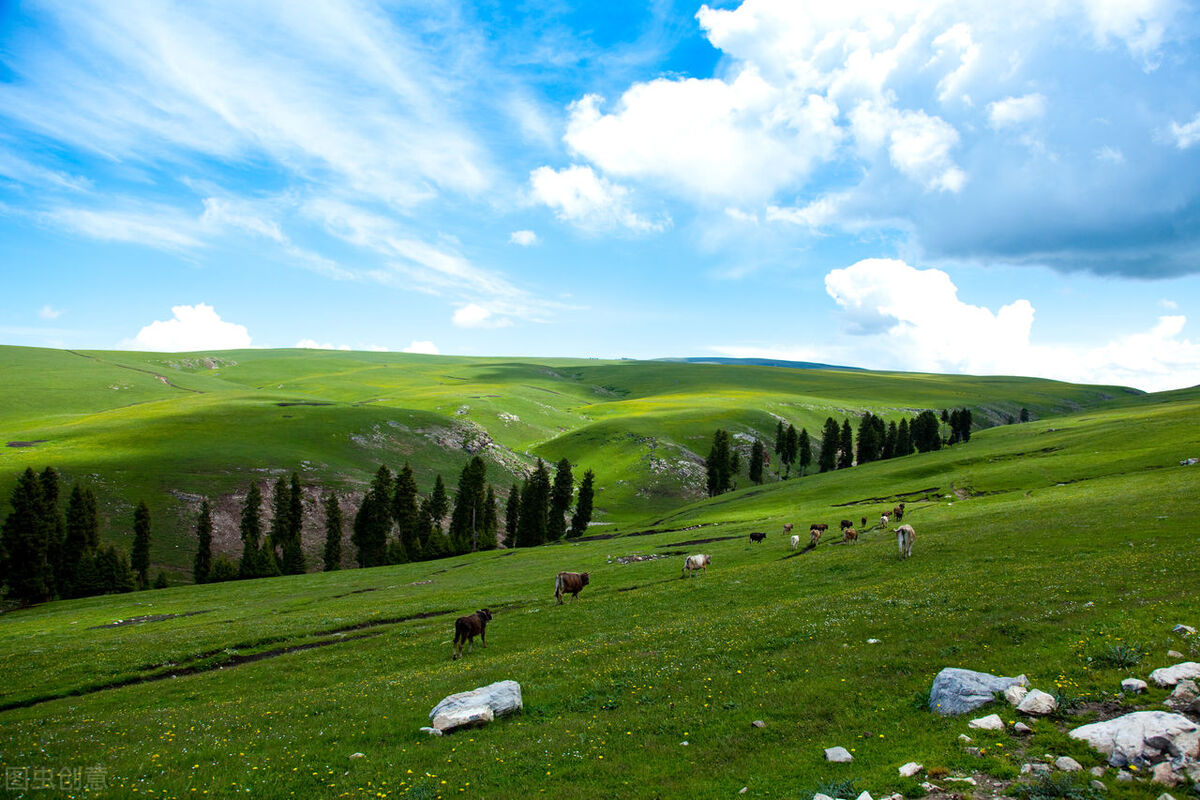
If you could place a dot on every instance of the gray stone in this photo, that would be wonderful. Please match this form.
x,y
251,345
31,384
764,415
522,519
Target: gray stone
x,y
1184,696
991,722
431,731
838,755
1097,771
1141,738
1124,776
1133,686
477,707
1186,630
1038,703
864,796
1022,729
758,723
970,781
1163,774
931,787
964,738
1035,769
1099,786
1174,654
1015,694
1167,677
1067,764
358,755
819,796
1165,796
957,691
910,769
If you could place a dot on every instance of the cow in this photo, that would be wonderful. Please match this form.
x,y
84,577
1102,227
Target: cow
x,y
572,582
700,561
795,540
466,629
818,526
847,523
814,537
864,522
787,528
883,520
904,540
898,512
757,536
849,535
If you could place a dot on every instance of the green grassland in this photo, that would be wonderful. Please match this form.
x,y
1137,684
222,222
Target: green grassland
x,y
165,427
1039,546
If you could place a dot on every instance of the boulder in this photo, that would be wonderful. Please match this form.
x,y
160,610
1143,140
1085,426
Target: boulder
x,y
1124,776
1099,786
820,796
1184,697
1097,771
1015,694
758,723
1133,686
1174,654
476,707
910,769
1022,729
1038,703
864,796
431,731
991,722
1035,769
1067,764
838,755
1167,677
1163,774
958,691
1142,738
1165,796
1186,630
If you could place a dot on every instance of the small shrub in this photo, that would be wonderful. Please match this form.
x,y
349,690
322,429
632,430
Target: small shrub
x,y
1057,786
161,581
839,788
223,569
1119,656
937,772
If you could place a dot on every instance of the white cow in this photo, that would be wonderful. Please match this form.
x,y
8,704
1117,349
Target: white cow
x,y
795,540
692,563
884,520
904,540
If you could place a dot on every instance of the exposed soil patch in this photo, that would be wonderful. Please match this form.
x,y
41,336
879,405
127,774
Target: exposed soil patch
x,y
302,403
889,498
599,537
356,591
374,623
30,443
1102,709
147,618
690,542
652,531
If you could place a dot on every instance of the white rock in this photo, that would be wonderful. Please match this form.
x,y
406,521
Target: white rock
x,y
1097,771
838,755
1038,769
819,796
964,737
896,796
1099,786
1067,764
1124,776
1174,654
1183,697
864,796
743,790
1164,775
1165,796
357,755
1186,630
970,781
1038,703
910,769
991,722
1166,677
1139,738
1015,694
930,787
872,641
1133,686
957,691
467,708
1022,729
458,717
431,731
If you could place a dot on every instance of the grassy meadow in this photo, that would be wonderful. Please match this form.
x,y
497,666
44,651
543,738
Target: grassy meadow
x,y
1040,548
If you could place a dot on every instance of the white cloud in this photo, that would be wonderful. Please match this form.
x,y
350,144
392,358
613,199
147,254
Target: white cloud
x,y
578,195
1170,305
523,238
424,347
312,344
474,315
1012,112
159,227
1110,155
912,319
917,144
195,327
1141,24
1187,134
49,312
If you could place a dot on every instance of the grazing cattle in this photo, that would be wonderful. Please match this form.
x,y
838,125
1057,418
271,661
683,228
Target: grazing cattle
x,y
818,526
898,512
795,540
847,523
849,535
904,540
883,520
814,537
787,528
572,582
864,522
692,563
467,628
757,536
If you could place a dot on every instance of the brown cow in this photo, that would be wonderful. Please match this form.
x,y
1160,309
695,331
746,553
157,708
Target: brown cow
x,y
898,512
572,582
814,537
847,523
849,535
467,628
787,528
864,522
818,526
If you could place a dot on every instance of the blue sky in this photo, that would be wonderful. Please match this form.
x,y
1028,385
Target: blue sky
x,y
934,186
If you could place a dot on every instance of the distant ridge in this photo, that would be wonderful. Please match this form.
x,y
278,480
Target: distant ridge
x,y
760,362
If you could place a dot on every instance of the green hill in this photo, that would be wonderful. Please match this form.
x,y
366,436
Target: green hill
x,y
169,428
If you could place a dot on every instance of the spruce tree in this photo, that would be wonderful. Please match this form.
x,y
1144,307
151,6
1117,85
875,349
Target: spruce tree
x,y
294,562
512,516
535,508
466,520
78,547
830,439
561,494
114,574
779,441
439,501
160,582
278,531
26,538
757,455
255,562
889,441
791,447
904,446
845,446
404,511
202,564
583,505
333,533
373,521
925,432
804,448
718,466
491,521
1024,414
55,528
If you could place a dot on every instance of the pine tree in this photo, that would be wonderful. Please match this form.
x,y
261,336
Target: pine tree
x,y
512,516
55,528
257,560
333,533
889,441
845,446
561,494
583,505
26,537
202,565
904,446
81,531
439,501
757,455
1024,414
535,508
278,531
829,445
925,433
404,511
779,441
804,448
160,582
491,521
294,562
719,464
791,447
467,518
870,438
373,521
113,571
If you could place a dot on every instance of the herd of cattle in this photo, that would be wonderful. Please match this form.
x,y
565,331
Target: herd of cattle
x,y
572,583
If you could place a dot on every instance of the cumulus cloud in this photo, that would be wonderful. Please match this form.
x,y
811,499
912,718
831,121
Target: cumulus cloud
x,y
473,315
913,319
313,344
523,238
578,195
1187,134
1013,112
423,347
49,312
197,327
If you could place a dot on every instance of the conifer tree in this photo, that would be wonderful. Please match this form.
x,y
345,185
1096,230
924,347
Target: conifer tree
x,y
791,447
491,521
202,564
160,582
830,439
889,441
373,521
1024,414
333,533
845,446
757,455
26,538
562,492
404,511
439,501
583,505
719,464
904,445
278,532
55,528
512,516
466,520
779,441
113,569
252,564
294,562
535,508
804,449
925,432
78,545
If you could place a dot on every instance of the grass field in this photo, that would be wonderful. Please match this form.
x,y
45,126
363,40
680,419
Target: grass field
x,y
163,427
1039,547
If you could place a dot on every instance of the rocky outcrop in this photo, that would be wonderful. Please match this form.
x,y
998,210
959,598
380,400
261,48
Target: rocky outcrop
x,y
958,691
